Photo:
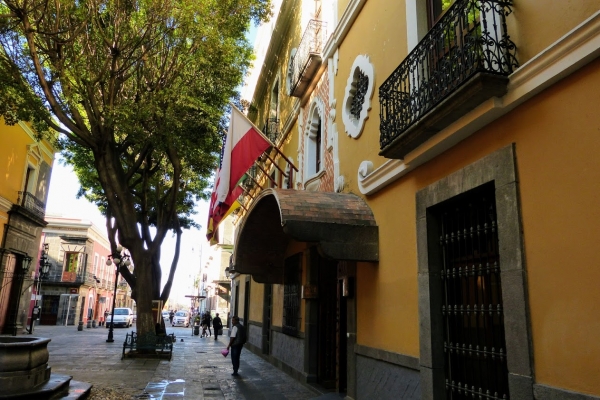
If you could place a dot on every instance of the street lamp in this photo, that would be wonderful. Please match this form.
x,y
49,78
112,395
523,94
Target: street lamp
x,y
119,260
43,274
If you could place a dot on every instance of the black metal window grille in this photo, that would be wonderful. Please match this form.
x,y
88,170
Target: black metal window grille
x,y
474,341
291,295
272,129
470,37
360,86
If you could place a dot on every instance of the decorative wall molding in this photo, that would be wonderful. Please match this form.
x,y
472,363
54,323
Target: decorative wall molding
x,y
574,50
31,134
354,126
5,204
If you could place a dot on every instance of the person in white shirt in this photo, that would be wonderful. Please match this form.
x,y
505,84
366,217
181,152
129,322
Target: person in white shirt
x,y
237,338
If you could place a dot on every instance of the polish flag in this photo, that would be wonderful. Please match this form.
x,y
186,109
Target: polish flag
x,y
243,145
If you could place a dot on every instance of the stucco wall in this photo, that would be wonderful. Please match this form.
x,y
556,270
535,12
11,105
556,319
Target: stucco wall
x,y
556,137
257,291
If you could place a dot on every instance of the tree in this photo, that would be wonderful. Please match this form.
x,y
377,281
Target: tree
x,y
138,90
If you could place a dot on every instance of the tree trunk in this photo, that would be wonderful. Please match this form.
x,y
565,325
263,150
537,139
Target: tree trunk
x,y
145,283
115,186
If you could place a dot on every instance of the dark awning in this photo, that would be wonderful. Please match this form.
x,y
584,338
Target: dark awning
x,y
341,225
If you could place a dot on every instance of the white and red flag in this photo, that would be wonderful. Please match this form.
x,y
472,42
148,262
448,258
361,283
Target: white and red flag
x,y
243,145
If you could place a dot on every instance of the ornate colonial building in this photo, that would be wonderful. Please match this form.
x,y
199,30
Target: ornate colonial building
x,y
428,225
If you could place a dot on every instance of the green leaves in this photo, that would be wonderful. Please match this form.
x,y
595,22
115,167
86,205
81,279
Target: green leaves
x,y
148,79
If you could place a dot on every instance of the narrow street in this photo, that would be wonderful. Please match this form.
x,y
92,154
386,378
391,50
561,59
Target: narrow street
x,y
196,371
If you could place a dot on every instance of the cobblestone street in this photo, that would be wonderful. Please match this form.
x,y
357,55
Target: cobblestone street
x,y
196,371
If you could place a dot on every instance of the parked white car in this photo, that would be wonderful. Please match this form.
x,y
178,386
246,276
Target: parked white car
x,y
123,317
165,316
182,318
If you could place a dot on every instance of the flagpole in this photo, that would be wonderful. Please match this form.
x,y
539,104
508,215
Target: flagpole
x,y
247,192
276,165
285,158
266,173
257,184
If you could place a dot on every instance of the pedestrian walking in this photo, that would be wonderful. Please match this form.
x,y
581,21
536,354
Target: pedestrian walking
x,y
209,323
171,316
237,338
217,326
206,325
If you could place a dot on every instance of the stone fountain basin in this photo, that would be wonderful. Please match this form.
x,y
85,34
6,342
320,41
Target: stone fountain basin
x,y
23,362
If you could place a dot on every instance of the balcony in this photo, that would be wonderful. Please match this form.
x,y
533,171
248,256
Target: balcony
x,y
307,60
32,204
463,60
58,276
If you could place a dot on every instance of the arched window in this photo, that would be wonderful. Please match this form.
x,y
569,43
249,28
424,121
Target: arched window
x,y
314,143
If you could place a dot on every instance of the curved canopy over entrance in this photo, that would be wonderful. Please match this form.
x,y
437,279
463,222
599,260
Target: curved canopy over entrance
x,y
341,225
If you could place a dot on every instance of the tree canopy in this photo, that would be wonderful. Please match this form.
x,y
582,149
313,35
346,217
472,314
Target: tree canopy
x,y
138,90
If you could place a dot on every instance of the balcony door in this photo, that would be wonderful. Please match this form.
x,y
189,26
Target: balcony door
x,y
435,10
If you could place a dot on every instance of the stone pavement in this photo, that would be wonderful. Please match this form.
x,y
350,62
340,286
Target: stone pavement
x,y
196,371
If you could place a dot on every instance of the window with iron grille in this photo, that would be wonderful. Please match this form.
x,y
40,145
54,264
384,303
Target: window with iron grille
x,y
472,310
291,294
357,96
358,100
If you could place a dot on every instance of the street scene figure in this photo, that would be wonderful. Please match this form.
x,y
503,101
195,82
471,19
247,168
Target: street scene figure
x,y
206,319
237,338
171,316
217,326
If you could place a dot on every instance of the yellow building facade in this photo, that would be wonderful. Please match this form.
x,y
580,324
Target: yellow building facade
x,y
446,250
24,178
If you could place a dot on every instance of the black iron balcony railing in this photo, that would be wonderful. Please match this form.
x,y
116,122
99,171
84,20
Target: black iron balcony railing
x,y
32,204
57,275
272,129
307,59
470,38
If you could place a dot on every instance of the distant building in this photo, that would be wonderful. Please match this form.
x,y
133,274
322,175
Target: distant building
x,y
25,168
80,286
215,284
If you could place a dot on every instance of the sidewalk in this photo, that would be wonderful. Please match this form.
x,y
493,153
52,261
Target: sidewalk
x,y
196,371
